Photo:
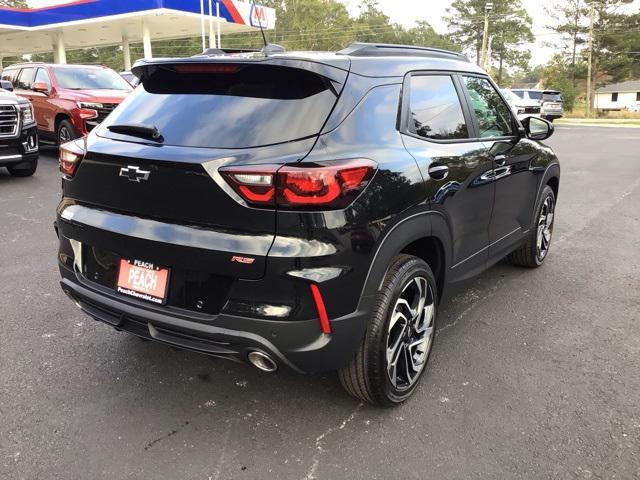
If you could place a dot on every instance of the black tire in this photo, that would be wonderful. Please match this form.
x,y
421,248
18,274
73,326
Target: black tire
x,y
367,377
528,255
65,132
25,169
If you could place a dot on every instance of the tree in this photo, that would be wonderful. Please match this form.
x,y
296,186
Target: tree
x,y
14,3
513,30
509,30
616,37
571,23
557,75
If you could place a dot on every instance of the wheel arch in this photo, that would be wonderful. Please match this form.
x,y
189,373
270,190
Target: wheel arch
x,y
425,235
60,117
554,183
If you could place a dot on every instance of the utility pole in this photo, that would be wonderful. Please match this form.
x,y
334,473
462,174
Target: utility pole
x,y
483,55
589,60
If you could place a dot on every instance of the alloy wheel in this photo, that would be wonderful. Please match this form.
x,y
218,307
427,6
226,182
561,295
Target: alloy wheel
x,y
545,228
410,333
64,135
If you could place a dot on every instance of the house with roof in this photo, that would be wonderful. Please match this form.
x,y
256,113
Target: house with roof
x,y
618,96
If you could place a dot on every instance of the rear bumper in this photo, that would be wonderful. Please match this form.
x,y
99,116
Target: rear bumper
x,y
298,345
552,114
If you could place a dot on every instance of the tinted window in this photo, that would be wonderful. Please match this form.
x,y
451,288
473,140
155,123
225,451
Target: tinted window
x,y
494,116
519,93
552,97
78,78
614,97
228,106
42,76
637,96
24,79
535,95
435,108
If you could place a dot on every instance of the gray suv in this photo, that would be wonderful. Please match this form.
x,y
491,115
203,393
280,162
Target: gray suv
x,y
550,101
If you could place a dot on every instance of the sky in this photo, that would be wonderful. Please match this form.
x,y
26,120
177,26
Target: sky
x,y
407,12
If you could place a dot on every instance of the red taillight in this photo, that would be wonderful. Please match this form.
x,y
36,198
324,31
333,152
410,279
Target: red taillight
x,y
332,184
70,155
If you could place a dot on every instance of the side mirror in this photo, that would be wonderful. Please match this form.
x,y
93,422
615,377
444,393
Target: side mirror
x,y
537,128
6,85
40,87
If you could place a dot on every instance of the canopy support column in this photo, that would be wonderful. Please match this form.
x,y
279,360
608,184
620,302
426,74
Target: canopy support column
x,y
59,52
146,40
126,53
212,36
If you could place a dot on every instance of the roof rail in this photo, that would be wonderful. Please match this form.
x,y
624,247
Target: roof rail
x,y
360,49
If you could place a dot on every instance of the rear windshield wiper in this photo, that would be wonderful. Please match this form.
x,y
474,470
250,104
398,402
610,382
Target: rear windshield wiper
x,y
137,130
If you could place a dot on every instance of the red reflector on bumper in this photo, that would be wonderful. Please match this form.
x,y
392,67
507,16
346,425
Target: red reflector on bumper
x,y
322,312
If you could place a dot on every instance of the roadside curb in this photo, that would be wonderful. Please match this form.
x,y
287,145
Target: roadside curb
x,y
610,125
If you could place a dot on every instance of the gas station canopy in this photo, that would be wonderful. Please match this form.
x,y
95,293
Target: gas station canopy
x,y
93,23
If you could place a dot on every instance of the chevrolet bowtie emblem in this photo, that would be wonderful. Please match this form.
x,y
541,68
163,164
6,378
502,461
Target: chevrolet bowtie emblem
x,y
134,174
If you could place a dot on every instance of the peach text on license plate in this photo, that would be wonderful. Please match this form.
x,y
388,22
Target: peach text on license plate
x,y
143,280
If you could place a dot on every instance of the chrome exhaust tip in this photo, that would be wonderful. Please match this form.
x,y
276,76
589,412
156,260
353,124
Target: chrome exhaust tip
x,y
262,361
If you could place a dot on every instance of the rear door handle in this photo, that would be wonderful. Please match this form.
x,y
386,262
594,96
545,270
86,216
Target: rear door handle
x,y
438,171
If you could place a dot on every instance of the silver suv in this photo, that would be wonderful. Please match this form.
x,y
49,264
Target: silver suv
x,y
550,101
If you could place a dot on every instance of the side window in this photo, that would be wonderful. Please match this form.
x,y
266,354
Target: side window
x,y
494,116
24,79
42,76
9,74
614,97
435,108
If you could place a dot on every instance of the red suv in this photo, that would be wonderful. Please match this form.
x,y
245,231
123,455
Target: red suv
x,y
68,100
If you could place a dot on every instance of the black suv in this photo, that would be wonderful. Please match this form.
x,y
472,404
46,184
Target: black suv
x,y
302,210
18,135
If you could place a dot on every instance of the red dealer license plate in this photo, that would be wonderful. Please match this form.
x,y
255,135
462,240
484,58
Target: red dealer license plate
x,y
143,280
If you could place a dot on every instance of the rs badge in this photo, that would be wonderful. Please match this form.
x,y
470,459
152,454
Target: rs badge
x,y
245,260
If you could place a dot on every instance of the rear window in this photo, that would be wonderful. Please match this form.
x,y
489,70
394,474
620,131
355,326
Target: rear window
x,y
552,97
228,105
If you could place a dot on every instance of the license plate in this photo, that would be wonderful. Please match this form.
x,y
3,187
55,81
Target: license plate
x,y
143,280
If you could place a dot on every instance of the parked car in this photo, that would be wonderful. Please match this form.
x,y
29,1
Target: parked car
x,y
130,77
18,135
319,224
521,107
6,85
550,101
69,100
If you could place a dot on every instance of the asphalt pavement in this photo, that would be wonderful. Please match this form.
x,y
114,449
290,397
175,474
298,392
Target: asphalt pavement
x,y
535,374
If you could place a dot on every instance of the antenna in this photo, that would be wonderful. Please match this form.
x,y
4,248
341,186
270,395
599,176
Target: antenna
x,y
264,39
